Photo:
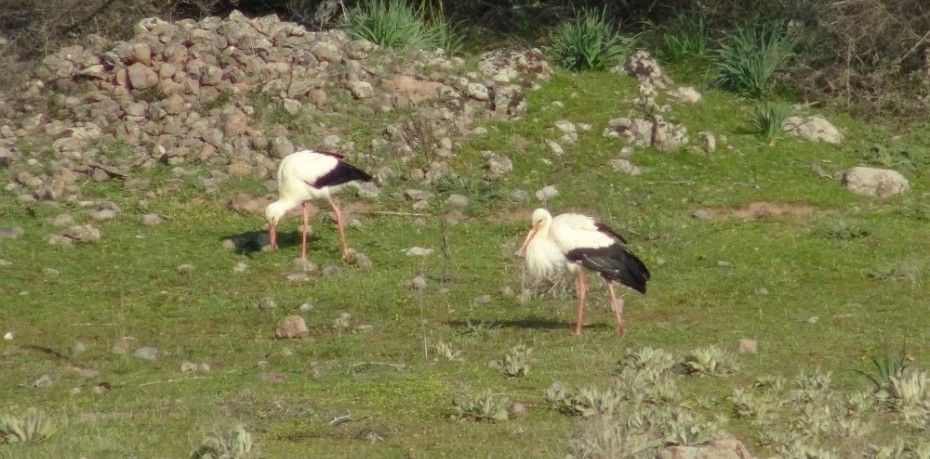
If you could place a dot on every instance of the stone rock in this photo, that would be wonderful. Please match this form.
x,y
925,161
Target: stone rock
x,y
813,128
152,219
326,51
266,303
290,327
81,233
185,269
417,283
547,192
625,166
498,165
43,381
413,89
568,130
239,169
511,65
281,147
555,147
417,195
685,94
652,131
869,181
642,66
361,89
707,141
418,252
247,204
748,346
516,409
477,91
147,353
141,76
722,448
457,201
11,232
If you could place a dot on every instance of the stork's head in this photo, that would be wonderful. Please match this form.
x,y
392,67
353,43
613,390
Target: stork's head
x,y
273,214
541,219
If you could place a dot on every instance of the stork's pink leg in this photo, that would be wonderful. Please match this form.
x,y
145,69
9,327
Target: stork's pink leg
x,y
617,306
580,287
339,225
304,229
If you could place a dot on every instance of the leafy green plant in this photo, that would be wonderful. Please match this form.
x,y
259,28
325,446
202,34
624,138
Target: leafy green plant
x,y
588,42
750,55
888,365
608,437
585,402
843,230
388,23
647,358
685,37
482,407
236,444
765,119
33,426
515,363
708,361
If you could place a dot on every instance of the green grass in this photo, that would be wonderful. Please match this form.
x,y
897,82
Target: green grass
x,y
389,379
397,24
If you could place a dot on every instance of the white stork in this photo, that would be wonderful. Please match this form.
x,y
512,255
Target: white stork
x,y
306,175
575,243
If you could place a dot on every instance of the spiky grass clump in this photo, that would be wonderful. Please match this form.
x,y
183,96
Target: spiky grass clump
x,y
585,402
396,24
765,119
887,366
683,38
482,407
750,56
588,42
236,444
446,351
515,363
33,426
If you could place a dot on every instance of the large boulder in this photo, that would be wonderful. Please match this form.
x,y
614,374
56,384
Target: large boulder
x,y
514,65
870,181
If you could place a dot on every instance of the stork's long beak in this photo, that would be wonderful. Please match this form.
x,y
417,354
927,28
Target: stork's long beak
x,y
273,236
529,237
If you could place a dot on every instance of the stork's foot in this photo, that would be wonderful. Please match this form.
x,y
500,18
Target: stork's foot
x,y
621,328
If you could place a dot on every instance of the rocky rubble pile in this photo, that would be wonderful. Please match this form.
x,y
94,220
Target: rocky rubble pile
x,y
194,92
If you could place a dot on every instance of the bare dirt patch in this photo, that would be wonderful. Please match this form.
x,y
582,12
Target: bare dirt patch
x,y
758,209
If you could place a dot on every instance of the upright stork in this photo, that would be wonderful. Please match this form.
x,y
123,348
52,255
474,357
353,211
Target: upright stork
x,y
306,175
577,243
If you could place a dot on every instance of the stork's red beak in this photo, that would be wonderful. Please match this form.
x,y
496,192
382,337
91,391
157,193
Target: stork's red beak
x,y
529,237
273,236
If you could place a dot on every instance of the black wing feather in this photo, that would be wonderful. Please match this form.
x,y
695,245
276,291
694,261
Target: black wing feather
x,y
608,230
614,263
342,173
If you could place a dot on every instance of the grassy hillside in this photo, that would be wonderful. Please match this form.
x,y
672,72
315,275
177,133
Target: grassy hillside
x,y
824,290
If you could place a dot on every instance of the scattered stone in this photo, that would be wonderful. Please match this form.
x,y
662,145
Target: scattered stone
x,y
519,195
240,267
813,128
266,303
417,283
703,214
4,263
724,264
297,277
417,195
509,65
63,220
152,219
76,233
305,265
306,307
498,165
8,336
483,299
361,89
418,252
813,319
516,409
555,147
147,353
748,346
11,232
189,367
103,215
869,181
707,141
343,322
651,131
43,381
625,166
78,347
685,94
185,269
547,192
568,130
477,91
51,272
642,66
290,327
457,201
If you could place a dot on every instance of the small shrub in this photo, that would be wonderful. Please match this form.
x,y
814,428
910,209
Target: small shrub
x,y
483,407
647,358
515,363
388,23
766,118
750,55
683,429
708,361
749,406
33,426
443,33
446,351
236,444
606,437
588,42
684,38
586,402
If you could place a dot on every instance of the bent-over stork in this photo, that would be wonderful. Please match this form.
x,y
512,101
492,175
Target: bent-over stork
x,y
575,243
306,175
